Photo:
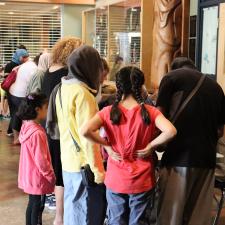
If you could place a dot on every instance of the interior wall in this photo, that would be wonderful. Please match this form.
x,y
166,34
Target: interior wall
x,y
72,20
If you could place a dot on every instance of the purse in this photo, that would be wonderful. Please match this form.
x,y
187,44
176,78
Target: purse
x,y
88,177
9,80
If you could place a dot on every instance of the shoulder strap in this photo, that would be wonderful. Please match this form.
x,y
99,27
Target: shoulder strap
x,y
74,141
187,100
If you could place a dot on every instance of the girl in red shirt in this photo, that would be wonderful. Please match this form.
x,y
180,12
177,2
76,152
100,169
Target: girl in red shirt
x,y
130,126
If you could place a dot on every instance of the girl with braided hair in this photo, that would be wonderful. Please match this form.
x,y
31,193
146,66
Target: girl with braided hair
x,y
130,125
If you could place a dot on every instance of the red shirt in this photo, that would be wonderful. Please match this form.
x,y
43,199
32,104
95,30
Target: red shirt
x,y
131,175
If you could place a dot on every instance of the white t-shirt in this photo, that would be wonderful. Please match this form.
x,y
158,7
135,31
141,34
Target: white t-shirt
x,y
24,75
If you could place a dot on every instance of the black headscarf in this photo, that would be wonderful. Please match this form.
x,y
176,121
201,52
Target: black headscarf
x,y
85,64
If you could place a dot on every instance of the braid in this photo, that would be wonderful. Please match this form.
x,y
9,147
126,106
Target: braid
x,y
137,83
115,113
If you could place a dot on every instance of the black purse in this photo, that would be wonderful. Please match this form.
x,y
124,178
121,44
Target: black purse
x,y
88,177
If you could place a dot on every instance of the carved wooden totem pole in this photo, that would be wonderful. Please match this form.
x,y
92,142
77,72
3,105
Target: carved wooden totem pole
x,y
167,36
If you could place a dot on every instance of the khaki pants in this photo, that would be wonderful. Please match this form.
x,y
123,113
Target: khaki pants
x,y
186,196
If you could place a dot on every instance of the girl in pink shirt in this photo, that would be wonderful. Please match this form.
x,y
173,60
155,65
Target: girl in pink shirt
x,y
36,176
130,127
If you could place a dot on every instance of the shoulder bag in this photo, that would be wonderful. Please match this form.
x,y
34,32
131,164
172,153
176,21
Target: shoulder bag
x,y
9,80
88,178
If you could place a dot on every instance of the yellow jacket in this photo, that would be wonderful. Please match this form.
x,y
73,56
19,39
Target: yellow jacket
x,y
79,105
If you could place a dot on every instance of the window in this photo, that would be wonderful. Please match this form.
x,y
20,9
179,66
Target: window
x,y
37,26
209,40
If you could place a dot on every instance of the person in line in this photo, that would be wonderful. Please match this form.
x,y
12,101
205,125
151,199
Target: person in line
x,y
35,84
36,176
19,57
104,74
58,69
130,126
17,93
118,63
82,205
187,175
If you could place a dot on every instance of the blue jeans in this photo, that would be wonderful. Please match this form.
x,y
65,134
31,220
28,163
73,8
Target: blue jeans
x,y
129,209
82,205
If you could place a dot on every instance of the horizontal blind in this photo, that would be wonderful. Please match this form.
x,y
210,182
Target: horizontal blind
x,y
101,38
96,29
125,32
37,26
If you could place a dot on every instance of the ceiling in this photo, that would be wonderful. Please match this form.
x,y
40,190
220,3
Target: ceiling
x,y
25,6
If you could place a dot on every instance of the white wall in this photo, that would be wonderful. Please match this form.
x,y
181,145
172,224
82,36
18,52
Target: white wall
x,y
72,20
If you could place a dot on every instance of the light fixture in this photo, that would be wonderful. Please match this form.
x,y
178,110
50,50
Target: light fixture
x,y
2,3
55,7
10,13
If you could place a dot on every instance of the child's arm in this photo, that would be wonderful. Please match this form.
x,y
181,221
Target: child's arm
x,y
42,156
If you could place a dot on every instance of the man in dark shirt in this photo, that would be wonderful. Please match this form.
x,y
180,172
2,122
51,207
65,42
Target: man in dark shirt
x,y
186,181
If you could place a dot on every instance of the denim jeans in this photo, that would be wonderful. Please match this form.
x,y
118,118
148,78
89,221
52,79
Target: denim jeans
x,y
82,205
129,209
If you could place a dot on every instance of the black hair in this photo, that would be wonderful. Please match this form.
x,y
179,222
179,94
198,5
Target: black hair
x,y
22,47
36,58
27,108
106,102
180,62
129,80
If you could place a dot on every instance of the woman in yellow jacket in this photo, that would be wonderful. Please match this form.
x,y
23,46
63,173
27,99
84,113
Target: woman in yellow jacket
x,y
82,205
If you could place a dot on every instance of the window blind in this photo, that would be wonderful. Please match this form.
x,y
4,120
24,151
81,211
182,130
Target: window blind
x,y
125,31
115,30
37,26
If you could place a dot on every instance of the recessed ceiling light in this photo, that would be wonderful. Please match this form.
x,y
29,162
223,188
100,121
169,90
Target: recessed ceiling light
x,y
11,13
2,3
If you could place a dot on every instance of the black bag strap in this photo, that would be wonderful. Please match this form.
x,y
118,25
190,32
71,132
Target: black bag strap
x,y
188,99
74,141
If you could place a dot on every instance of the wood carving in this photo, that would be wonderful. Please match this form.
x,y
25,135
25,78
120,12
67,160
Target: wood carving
x,y
167,34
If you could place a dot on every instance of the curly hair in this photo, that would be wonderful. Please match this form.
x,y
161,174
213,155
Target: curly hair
x,y
129,81
63,48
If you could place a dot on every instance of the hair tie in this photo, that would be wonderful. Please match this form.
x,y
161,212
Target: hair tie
x,y
30,97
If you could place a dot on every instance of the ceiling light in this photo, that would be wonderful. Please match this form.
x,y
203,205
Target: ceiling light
x,y
55,7
2,3
10,13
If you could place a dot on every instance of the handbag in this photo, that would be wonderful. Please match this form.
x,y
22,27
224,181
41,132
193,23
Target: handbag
x,y
9,80
88,177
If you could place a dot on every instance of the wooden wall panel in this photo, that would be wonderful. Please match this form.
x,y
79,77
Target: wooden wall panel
x,y
147,39
170,35
221,48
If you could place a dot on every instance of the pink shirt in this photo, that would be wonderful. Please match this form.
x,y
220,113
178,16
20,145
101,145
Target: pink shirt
x,y
131,175
36,175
